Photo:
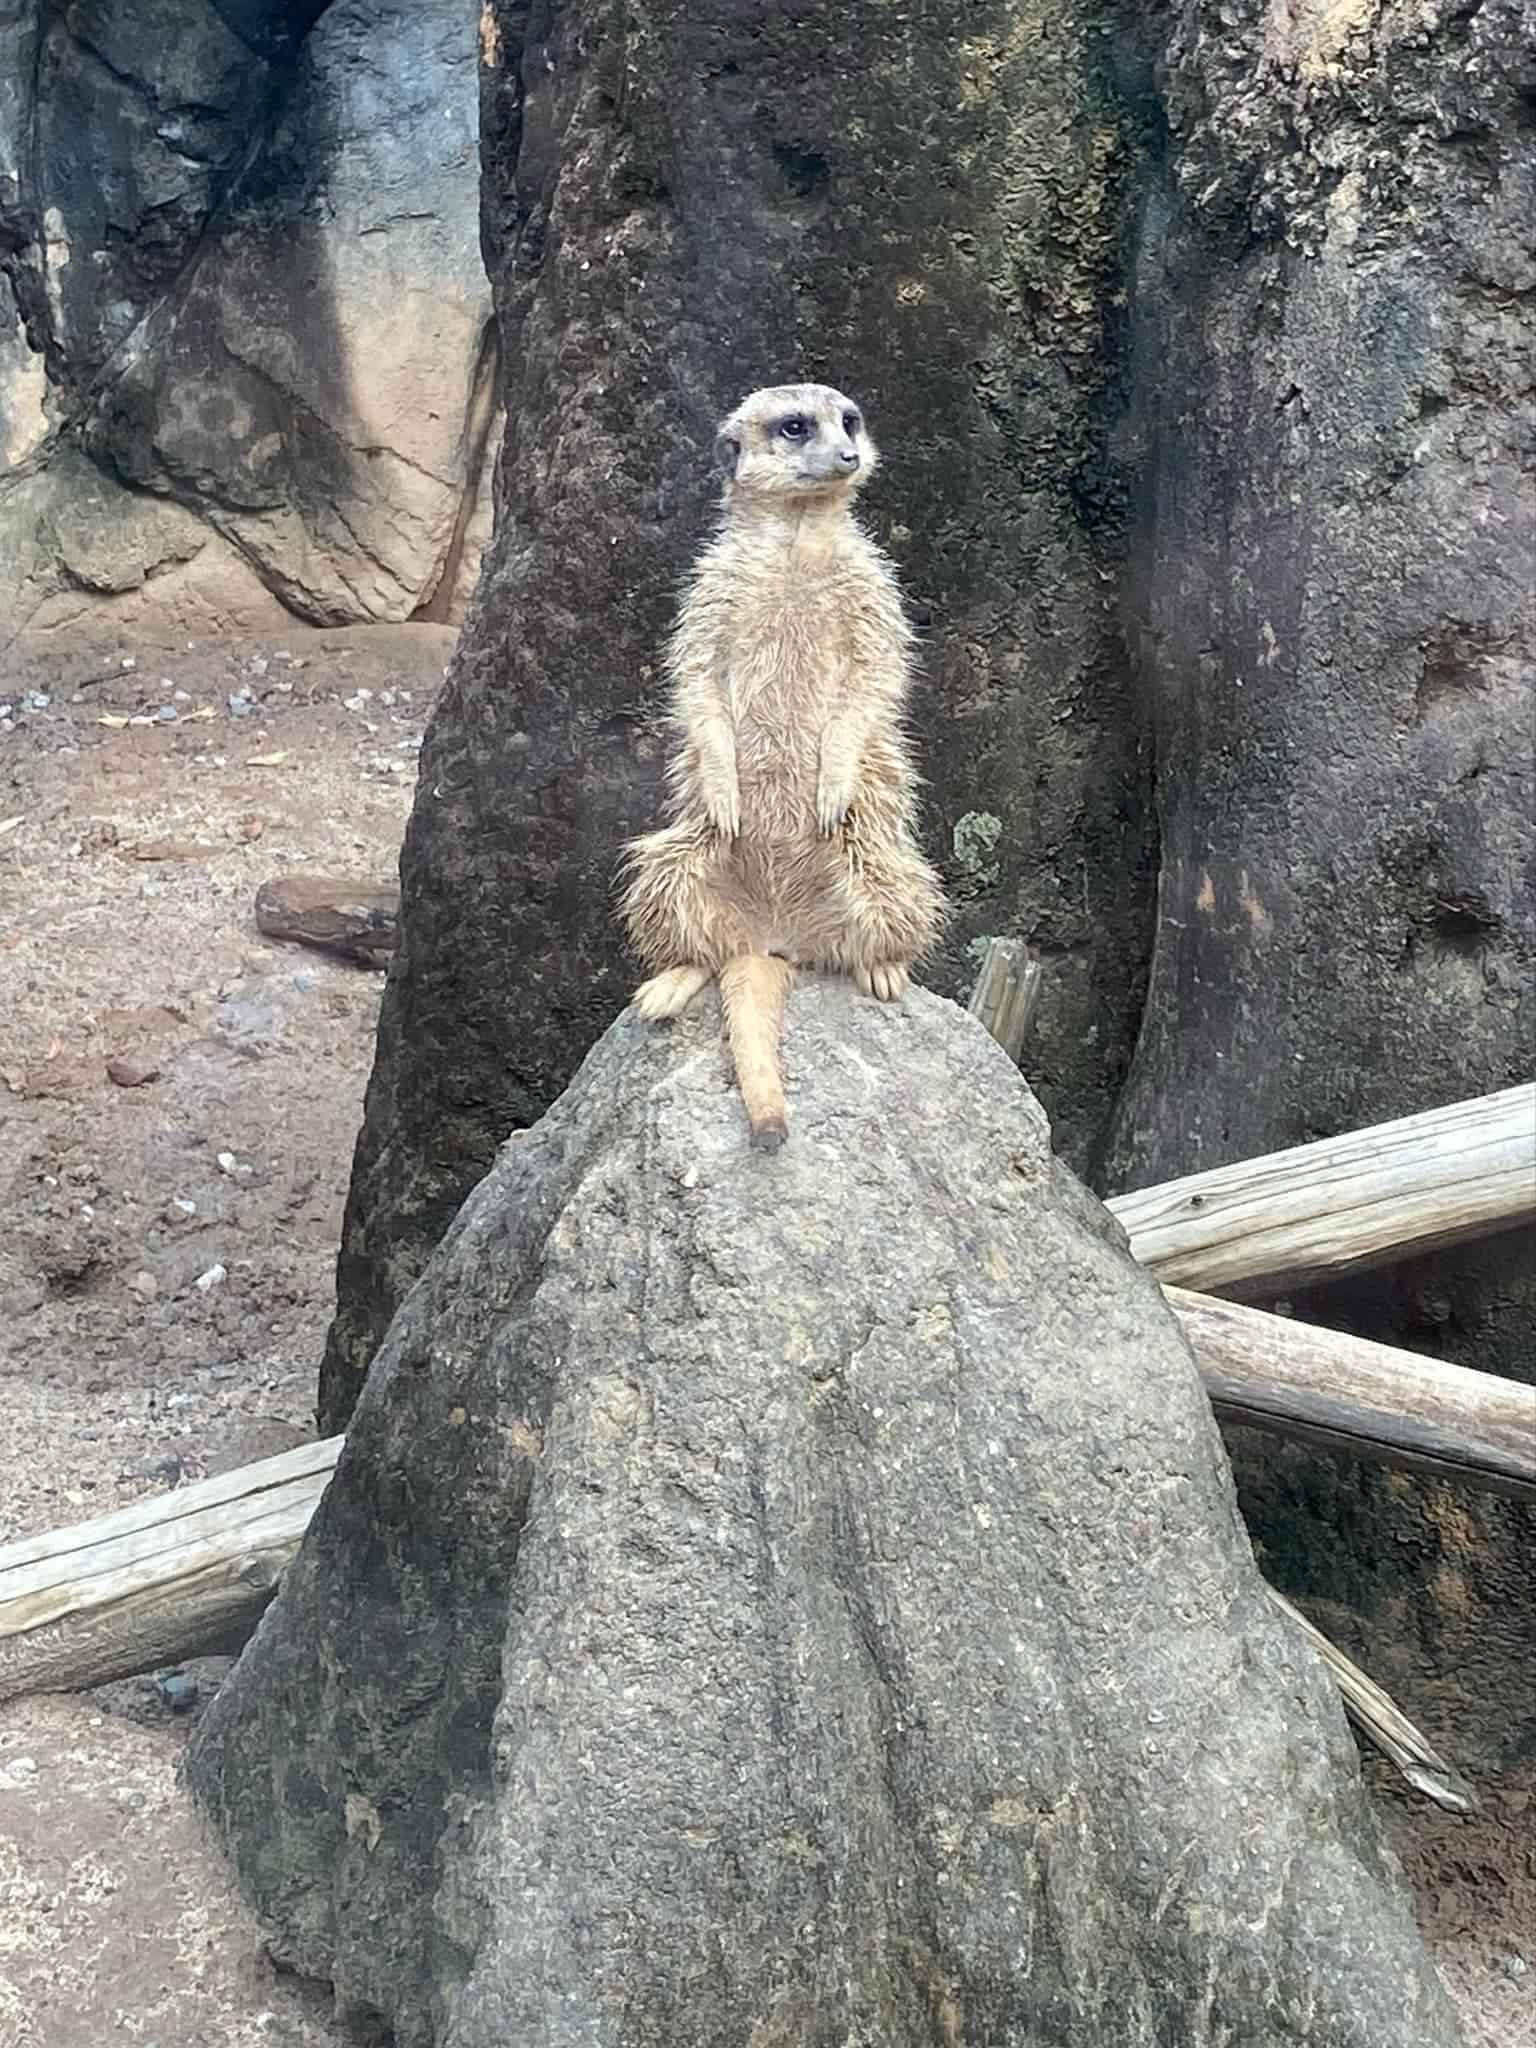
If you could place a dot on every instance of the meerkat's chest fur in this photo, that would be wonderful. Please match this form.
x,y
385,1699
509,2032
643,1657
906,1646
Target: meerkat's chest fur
x,y
783,621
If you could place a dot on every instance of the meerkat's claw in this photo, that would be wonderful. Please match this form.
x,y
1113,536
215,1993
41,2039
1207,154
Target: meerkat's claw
x,y
885,980
833,804
669,993
724,814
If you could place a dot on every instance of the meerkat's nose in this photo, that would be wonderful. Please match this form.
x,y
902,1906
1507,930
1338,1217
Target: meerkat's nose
x,y
848,458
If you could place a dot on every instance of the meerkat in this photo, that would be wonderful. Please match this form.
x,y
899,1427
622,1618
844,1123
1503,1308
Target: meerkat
x,y
792,791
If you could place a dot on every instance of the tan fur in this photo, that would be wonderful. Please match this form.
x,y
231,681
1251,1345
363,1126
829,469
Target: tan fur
x,y
792,789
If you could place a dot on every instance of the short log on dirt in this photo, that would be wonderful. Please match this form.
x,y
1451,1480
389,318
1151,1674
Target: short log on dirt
x,y
177,1575
799,1599
355,918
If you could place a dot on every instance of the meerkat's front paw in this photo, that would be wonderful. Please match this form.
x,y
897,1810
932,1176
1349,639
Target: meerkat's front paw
x,y
885,980
834,800
669,993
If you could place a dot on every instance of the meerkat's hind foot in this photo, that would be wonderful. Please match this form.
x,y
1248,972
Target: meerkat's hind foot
x,y
885,980
669,993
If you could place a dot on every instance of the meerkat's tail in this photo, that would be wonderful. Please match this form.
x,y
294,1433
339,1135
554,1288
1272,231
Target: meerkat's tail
x,y
753,987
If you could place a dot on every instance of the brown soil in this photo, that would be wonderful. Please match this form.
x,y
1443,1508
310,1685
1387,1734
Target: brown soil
x,y
179,1095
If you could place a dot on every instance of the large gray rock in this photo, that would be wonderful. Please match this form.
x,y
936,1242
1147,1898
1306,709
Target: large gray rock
x,y
681,203
1332,578
778,1603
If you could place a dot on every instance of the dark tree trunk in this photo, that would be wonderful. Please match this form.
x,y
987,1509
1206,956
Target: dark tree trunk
x,y
681,202
1331,586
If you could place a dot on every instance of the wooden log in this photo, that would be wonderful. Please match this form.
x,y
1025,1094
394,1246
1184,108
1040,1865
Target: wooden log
x,y
1263,1225
336,913
1384,1723
187,1572
1006,993
174,1576
1395,1407
191,1570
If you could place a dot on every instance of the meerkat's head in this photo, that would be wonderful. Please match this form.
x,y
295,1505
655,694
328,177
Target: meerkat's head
x,y
795,441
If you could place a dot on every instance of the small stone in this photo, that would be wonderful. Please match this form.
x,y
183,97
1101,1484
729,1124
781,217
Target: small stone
x,y
133,1070
213,1277
167,714
178,1691
144,1285
183,1207
22,1766
1515,1965
240,706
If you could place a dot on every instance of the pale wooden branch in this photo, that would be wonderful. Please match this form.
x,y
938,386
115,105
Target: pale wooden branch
x,y
192,1570
1395,1407
1006,992
1385,1724
1263,1225
169,1577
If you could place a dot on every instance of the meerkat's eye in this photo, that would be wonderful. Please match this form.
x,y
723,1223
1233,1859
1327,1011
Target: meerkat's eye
x,y
796,428
851,424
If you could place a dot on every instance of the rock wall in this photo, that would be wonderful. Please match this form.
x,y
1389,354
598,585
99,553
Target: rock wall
x,y
246,369
1332,589
682,203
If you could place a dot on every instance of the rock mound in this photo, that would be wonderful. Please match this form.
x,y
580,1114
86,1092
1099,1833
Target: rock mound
x,y
800,1600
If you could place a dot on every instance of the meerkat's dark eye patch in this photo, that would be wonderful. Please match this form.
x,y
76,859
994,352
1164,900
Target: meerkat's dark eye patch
x,y
796,427
851,424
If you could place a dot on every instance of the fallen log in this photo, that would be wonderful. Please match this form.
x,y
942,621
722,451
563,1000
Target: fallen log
x,y
191,1571
178,1575
1379,1718
334,913
1348,1394
1261,1226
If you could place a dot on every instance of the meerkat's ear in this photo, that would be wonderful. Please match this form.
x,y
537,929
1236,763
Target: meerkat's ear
x,y
727,453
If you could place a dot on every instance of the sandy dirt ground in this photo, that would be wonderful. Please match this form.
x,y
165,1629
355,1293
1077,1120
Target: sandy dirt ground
x,y
178,1102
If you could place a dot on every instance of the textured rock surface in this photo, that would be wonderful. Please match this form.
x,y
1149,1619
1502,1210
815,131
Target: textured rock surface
x,y
800,1601
243,251
678,207
1335,324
